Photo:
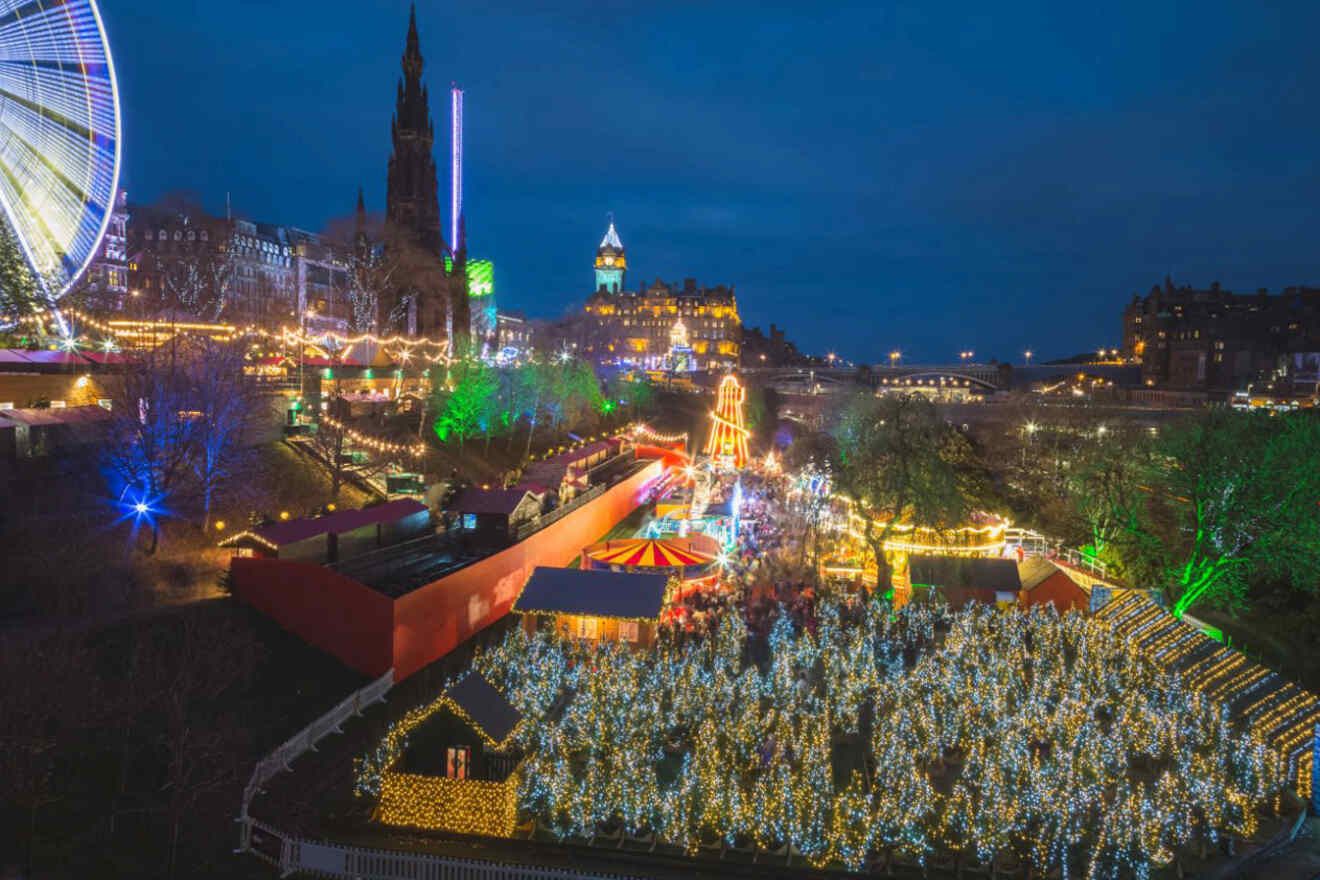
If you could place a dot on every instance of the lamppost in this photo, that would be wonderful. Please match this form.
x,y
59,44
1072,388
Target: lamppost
x,y
1028,354
966,356
895,357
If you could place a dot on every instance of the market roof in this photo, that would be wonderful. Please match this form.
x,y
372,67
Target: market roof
x,y
69,415
648,552
487,710
1035,570
964,571
475,500
597,593
283,533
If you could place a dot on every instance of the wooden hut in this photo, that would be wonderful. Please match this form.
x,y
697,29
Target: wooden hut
x,y
595,605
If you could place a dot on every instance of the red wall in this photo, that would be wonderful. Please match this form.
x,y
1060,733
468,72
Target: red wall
x,y
1059,589
332,612
431,621
371,632
670,457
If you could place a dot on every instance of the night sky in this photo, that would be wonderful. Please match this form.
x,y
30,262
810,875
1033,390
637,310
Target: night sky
x,y
929,176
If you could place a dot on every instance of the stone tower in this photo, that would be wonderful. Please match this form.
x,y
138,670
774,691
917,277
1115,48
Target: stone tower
x,y
610,262
414,232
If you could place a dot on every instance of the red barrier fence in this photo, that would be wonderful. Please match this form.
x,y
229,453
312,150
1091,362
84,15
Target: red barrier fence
x,y
371,632
431,621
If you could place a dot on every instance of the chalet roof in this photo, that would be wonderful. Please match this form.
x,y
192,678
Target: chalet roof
x,y
69,415
595,593
1035,570
284,533
485,708
967,572
475,500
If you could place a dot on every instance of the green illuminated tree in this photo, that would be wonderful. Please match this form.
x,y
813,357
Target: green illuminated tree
x,y
462,412
1104,487
1242,492
19,291
902,464
636,394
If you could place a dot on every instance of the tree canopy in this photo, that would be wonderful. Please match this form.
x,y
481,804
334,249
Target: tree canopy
x,y
902,464
1242,493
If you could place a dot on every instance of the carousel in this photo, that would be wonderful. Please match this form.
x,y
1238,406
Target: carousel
x,y
692,560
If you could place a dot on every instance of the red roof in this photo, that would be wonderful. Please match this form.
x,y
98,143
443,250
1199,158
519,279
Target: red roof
x,y
54,357
504,501
65,415
295,530
107,357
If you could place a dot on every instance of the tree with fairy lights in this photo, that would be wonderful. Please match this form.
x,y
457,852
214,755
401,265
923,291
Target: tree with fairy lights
x,y
728,438
903,465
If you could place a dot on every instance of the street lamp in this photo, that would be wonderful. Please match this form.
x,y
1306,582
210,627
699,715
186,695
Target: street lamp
x,y
965,355
1028,354
894,357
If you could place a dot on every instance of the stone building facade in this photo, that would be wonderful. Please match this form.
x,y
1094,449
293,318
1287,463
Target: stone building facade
x,y
1218,340
637,328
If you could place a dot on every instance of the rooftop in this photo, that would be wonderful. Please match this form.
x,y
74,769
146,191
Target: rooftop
x,y
281,534
967,572
487,710
595,593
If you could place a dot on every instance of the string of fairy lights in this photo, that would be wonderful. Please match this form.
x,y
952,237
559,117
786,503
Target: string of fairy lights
x,y
375,444
1020,735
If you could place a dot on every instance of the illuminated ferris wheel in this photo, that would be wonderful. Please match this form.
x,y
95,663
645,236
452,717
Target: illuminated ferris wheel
x,y
59,135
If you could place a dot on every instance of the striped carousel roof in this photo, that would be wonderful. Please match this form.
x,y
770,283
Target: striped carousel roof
x,y
655,553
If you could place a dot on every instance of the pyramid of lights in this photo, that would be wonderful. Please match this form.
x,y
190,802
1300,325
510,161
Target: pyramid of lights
x,y
59,137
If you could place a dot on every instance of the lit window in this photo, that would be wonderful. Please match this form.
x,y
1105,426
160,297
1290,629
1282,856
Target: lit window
x,y
586,628
628,630
457,761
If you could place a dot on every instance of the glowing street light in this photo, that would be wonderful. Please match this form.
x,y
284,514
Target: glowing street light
x,y
966,355
895,357
1028,354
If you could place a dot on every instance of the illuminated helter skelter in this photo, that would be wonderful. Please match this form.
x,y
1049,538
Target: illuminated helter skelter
x,y
59,136
727,444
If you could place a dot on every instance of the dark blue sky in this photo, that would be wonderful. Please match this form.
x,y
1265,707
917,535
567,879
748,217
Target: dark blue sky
x,y
930,176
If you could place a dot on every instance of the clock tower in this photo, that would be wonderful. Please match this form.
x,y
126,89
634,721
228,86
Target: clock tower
x,y
610,262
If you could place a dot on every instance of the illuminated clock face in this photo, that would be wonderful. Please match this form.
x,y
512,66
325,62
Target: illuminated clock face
x,y
609,261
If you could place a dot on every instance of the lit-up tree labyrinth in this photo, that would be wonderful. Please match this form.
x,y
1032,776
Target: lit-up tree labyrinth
x,y
59,136
727,444
1013,737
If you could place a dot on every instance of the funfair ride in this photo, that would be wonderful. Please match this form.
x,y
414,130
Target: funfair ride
x,y
60,149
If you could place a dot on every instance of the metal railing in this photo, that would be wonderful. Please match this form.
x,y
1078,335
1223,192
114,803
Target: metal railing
x,y
524,530
1035,544
326,859
291,854
306,740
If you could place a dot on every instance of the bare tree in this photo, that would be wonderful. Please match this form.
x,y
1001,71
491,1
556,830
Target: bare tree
x,y
226,405
153,440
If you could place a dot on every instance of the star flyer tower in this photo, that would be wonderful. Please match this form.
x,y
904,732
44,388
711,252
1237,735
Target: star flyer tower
x,y
728,438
